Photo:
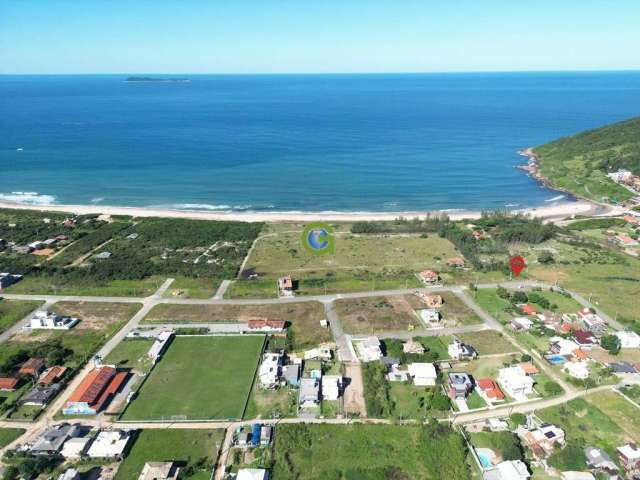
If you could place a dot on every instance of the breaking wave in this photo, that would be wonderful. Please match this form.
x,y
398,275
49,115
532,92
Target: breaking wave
x,y
27,198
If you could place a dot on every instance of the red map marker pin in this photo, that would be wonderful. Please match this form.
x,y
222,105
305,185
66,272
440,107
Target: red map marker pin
x,y
517,265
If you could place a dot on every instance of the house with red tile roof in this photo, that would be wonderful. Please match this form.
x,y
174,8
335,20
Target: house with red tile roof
x,y
52,375
33,367
456,262
429,276
490,389
528,309
8,384
95,391
266,325
529,368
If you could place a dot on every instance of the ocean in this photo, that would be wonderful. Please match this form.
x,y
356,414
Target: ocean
x,y
396,142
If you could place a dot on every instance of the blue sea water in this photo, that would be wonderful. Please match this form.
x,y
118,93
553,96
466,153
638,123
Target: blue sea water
x,y
295,142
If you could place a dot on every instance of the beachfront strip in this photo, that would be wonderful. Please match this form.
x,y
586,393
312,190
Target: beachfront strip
x,y
224,395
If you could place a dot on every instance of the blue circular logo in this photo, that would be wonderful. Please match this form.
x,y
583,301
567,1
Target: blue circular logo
x,y
317,238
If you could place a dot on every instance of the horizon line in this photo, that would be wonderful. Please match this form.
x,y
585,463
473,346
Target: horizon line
x,y
439,72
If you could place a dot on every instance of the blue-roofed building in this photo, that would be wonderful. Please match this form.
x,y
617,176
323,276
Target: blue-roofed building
x,y
255,436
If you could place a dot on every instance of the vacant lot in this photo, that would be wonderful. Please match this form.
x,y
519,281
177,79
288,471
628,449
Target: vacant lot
x,y
376,314
488,342
187,287
183,446
621,411
60,285
199,378
319,452
488,367
99,321
304,317
130,354
454,312
8,435
283,253
12,311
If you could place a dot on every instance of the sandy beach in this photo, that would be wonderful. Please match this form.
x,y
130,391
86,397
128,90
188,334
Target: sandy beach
x,y
557,211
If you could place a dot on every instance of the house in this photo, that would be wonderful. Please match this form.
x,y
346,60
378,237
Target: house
x,y
110,444
490,389
102,256
411,346
433,301
369,349
579,370
515,382
456,262
95,391
69,223
8,384
625,240
162,341
529,368
629,456
592,322
461,351
584,339
429,277
52,375
35,245
267,326
43,252
159,471
460,385
562,346
70,474
52,440
269,371
285,286
396,374
543,439
480,234
309,393
291,374
322,353
521,323
40,396
430,317
628,339
32,367
252,474
266,434
331,387
51,321
621,175
423,374
527,309
598,460
8,279
22,249
76,447
132,236
511,470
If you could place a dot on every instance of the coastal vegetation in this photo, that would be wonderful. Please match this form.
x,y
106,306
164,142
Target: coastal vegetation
x,y
580,163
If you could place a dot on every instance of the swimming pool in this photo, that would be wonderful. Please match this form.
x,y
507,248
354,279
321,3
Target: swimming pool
x,y
556,359
484,460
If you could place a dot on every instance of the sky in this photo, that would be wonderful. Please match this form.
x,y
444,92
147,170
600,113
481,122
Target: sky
x,y
321,36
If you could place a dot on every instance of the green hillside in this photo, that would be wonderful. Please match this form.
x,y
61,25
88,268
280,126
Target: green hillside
x,y
580,163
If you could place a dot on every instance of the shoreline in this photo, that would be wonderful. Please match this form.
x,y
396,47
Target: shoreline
x,y
552,212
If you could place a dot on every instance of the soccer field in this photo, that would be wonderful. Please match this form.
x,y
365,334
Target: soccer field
x,y
199,378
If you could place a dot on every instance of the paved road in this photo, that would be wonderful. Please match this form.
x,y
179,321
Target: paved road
x,y
345,353
222,289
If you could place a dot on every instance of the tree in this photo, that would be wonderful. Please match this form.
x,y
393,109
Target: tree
x,y
518,419
546,257
552,388
440,402
519,297
503,292
610,343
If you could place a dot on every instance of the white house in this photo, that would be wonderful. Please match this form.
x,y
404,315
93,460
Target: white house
x,y
461,351
430,317
424,374
309,393
397,375
252,474
331,387
109,444
562,346
515,382
620,176
322,353
521,323
369,349
42,320
269,371
579,370
628,339
75,447
511,470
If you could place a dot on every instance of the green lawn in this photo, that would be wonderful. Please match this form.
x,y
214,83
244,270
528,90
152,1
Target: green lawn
x,y
437,345
188,446
43,284
130,354
192,287
505,444
489,301
8,435
621,411
410,401
12,311
199,378
488,342
368,452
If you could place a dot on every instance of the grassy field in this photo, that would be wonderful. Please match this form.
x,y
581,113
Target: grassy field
x,y
99,321
376,314
367,452
621,411
130,354
437,345
488,367
410,401
454,312
188,446
180,387
269,403
488,342
8,435
304,318
43,284
283,253
187,287
12,311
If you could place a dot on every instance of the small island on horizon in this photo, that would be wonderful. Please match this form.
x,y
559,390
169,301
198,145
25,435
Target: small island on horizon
x,y
156,80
